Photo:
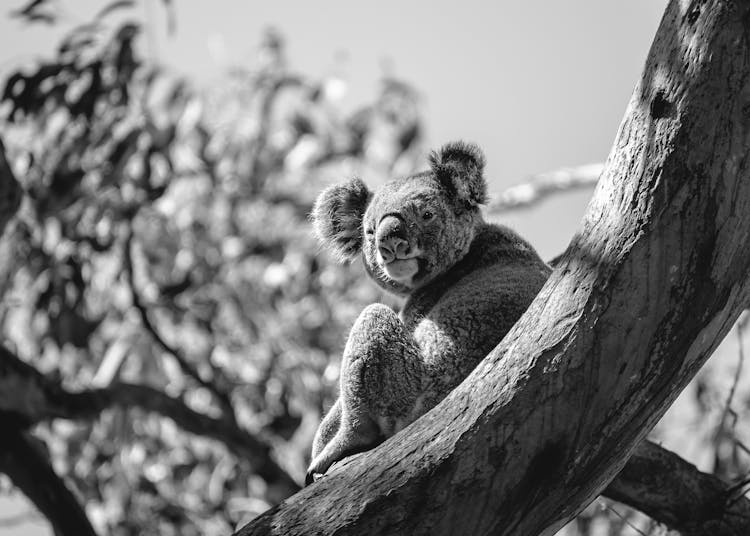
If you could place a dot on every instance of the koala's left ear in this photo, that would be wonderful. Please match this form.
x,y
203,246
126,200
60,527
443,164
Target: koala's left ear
x,y
459,167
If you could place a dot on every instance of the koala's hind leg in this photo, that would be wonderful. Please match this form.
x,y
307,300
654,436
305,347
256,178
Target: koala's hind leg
x,y
327,429
381,380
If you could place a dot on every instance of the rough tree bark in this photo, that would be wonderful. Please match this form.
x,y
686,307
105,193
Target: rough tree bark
x,y
644,294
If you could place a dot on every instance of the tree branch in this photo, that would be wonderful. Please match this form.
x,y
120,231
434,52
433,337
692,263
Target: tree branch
x,y
654,481
27,397
654,280
187,368
543,185
673,492
31,472
10,191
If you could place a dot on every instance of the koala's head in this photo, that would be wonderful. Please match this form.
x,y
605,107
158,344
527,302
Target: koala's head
x,y
412,229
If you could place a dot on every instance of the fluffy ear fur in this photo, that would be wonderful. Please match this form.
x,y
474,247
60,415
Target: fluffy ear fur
x,y
459,167
337,217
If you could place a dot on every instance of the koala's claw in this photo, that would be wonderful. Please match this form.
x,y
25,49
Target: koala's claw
x,y
311,477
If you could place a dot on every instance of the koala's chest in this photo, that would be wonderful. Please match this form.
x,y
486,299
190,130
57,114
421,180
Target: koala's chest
x,y
453,335
456,331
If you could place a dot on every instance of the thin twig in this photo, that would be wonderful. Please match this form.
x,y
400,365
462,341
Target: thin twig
x,y
187,368
721,427
744,448
622,517
736,489
741,360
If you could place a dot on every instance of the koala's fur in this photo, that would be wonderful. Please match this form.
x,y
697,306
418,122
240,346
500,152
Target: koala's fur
x,y
466,283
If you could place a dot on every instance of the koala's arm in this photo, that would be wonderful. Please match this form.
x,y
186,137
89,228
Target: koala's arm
x,y
380,385
471,318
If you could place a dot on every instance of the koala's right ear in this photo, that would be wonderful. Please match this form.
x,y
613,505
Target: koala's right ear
x,y
337,217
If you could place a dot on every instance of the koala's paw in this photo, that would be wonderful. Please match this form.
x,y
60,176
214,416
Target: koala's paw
x,y
312,476
316,469
320,465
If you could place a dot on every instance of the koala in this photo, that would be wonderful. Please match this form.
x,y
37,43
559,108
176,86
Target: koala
x,y
465,281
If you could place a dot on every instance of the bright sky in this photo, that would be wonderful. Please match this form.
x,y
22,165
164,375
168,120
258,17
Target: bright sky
x,y
538,85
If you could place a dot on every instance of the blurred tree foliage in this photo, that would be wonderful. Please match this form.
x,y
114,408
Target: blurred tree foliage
x,y
163,241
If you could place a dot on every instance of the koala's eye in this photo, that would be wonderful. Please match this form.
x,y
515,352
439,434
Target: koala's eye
x,y
428,215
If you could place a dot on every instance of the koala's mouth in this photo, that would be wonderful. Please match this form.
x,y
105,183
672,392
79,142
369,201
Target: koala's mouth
x,y
401,270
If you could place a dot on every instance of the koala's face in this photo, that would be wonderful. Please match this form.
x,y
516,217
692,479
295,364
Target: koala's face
x,y
412,229
413,233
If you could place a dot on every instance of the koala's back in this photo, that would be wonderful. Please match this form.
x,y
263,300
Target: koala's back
x,y
460,317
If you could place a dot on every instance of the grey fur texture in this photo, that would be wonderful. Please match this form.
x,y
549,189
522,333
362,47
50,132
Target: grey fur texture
x,y
460,166
466,282
337,217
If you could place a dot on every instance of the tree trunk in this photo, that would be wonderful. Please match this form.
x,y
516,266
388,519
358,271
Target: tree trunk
x,y
646,291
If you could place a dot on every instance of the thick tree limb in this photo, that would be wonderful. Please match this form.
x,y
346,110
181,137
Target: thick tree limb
x,y
30,470
672,491
27,397
675,493
648,288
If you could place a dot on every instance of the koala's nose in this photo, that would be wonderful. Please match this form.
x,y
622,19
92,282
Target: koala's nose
x,y
390,239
